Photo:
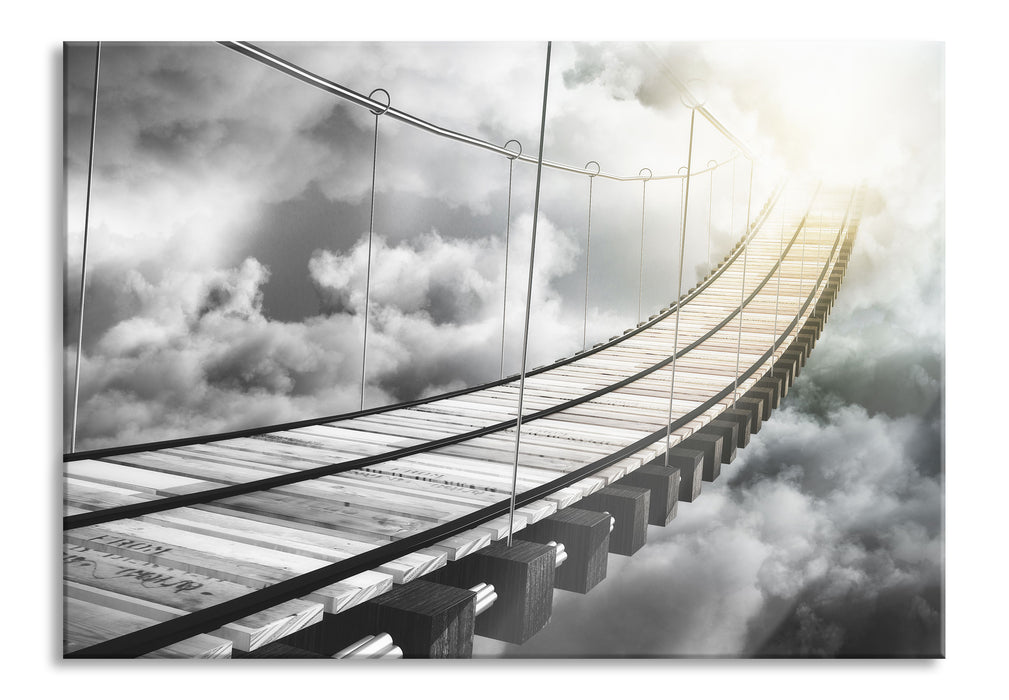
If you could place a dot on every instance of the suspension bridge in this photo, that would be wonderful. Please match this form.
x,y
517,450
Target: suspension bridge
x,y
405,530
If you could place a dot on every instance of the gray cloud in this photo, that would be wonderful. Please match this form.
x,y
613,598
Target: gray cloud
x,y
821,535
194,344
227,265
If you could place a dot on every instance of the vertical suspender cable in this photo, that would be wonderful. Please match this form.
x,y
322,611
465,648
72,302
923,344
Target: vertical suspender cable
x,y
777,294
742,291
732,201
641,263
508,228
588,249
84,254
371,236
529,296
685,171
679,286
711,187
802,272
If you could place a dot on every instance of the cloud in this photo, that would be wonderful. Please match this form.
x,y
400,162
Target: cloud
x,y
197,353
826,527
227,194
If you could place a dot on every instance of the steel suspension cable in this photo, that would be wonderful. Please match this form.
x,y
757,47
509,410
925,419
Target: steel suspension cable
x,y
641,262
268,59
371,236
508,227
742,291
679,289
588,250
84,253
711,174
682,184
777,294
529,297
802,268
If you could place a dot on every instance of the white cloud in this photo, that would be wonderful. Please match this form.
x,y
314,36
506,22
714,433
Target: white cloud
x,y
828,516
198,355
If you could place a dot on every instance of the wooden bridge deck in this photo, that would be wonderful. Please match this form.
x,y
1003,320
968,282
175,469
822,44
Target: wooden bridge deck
x,y
394,494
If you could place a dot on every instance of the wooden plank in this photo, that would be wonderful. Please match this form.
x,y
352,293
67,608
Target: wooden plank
x,y
87,496
246,634
249,565
142,480
86,624
341,493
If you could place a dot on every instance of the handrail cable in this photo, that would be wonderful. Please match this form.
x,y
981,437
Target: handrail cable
x,y
293,70
685,91
273,61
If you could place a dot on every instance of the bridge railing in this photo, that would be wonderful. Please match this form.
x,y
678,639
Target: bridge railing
x,y
663,217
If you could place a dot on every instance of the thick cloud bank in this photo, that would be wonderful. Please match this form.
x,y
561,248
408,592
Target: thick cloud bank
x,y
228,267
197,354
822,539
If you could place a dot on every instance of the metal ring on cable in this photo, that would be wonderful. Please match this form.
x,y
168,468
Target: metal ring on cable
x,y
598,169
649,173
682,168
683,102
708,164
388,101
517,143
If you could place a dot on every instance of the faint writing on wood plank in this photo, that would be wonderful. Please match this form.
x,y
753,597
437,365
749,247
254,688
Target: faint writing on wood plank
x,y
148,579
130,544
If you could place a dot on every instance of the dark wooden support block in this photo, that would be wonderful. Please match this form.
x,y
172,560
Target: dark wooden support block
x,y
789,361
766,397
709,445
277,650
798,354
424,619
743,423
755,406
629,505
785,366
696,456
523,578
785,375
729,430
803,346
807,336
663,483
585,535
776,385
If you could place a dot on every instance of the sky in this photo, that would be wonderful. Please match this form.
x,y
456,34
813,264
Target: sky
x,y
227,249
33,184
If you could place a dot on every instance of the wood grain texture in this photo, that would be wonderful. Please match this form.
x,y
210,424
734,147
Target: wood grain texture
x,y
585,535
743,424
523,577
729,432
690,463
629,505
663,484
